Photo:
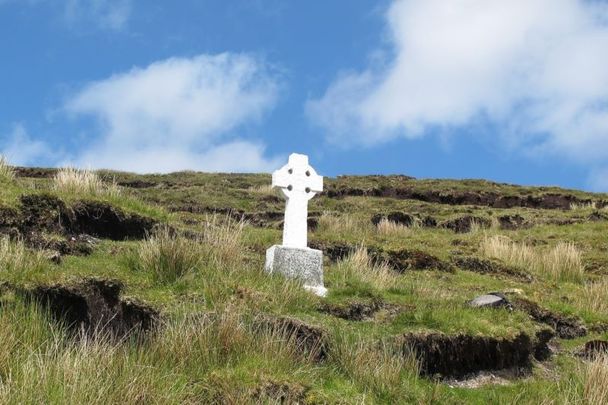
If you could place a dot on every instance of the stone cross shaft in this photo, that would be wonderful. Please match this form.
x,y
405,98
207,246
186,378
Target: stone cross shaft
x,y
299,183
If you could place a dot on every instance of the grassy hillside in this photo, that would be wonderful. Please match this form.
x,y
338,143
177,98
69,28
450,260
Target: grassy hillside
x,y
124,288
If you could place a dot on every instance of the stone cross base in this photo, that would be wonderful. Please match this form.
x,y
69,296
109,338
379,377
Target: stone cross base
x,y
300,263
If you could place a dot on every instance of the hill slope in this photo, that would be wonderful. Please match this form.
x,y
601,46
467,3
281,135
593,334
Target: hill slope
x,y
150,289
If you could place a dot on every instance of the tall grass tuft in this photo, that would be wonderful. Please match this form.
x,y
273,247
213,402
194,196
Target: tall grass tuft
x,y
594,297
83,182
17,261
223,236
168,255
595,378
582,206
359,267
7,173
563,262
381,369
390,228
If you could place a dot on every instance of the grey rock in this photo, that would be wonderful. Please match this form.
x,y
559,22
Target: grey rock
x,y
490,301
303,264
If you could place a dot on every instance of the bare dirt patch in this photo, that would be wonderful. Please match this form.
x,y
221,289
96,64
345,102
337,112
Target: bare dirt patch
x,y
466,223
409,259
479,198
105,221
486,266
565,327
359,310
311,340
95,308
460,355
280,392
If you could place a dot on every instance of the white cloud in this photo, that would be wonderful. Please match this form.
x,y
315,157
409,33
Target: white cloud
x,y
109,14
20,149
537,68
106,14
178,113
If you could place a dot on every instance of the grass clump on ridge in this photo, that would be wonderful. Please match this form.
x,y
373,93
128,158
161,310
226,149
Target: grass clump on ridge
x,y
168,255
359,267
563,262
83,182
17,261
7,173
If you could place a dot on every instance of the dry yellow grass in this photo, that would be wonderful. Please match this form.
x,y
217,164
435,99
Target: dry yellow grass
x,y
74,181
594,297
168,255
343,224
379,367
265,189
224,237
595,378
583,206
16,260
390,228
360,266
563,262
6,170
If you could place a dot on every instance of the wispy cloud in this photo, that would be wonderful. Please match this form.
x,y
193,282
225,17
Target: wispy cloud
x,y
21,149
178,113
110,14
105,14
537,69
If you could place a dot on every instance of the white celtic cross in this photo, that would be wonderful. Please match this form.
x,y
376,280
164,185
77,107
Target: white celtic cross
x,y
299,183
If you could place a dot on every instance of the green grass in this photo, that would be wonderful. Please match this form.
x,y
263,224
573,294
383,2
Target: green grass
x,y
204,272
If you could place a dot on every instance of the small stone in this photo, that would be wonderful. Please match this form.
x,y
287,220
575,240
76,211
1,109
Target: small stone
x,y
54,257
489,301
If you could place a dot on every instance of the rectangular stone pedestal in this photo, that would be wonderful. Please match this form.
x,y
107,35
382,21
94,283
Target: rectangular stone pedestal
x,y
302,264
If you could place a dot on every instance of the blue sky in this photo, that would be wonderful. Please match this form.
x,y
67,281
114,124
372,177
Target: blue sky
x,y
513,91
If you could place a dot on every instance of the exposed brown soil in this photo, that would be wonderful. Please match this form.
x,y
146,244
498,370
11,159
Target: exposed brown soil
x,y
597,216
565,327
105,221
400,260
403,218
95,308
333,251
10,221
459,355
513,222
42,214
486,266
137,184
359,310
312,341
406,259
35,172
488,199
397,217
465,224
594,348
78,245
260,218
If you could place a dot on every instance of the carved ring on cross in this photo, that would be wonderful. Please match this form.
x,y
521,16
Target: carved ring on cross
x,y
297,177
